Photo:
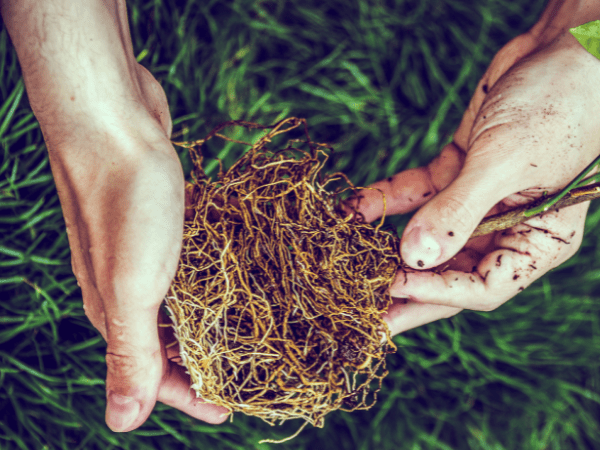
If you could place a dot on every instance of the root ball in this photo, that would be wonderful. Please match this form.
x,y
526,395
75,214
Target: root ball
x,y
278,297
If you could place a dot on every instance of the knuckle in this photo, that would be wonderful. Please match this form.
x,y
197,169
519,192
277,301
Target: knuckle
x,y
121,365
128,363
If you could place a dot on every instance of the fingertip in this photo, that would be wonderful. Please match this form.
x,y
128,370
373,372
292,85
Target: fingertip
x,y
213,414
206,411
126,412
419,249
442,227
122,412
400,194
364,205
176,392
132,385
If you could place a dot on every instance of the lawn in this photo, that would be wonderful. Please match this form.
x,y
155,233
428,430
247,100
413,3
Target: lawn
x,y
386,83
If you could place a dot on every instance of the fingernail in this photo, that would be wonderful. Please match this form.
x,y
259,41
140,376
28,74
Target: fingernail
x,y
122,411
420,249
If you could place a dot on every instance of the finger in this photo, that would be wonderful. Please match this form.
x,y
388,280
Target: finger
x,y
444,224
134,271
411,188
189,211
466,261
405,315
175,389
177,393
525,253
135,366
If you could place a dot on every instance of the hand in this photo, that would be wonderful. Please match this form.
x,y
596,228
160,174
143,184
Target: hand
x,y
529,129
124,224
106,123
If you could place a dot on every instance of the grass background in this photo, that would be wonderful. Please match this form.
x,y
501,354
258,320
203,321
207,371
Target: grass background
x,y
386,82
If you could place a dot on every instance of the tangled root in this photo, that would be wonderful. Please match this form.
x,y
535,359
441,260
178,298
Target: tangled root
x,y
278,297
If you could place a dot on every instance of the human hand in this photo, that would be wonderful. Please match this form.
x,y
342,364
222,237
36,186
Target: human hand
x,y
528,129
106,123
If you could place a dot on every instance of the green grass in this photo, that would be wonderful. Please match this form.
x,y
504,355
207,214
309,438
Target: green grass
x,y
386,82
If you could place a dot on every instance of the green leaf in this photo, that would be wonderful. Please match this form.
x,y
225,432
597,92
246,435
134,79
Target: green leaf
x,y
10,106
588,35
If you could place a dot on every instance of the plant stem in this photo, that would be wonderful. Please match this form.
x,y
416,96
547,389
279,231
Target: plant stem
x,y
514,217
546,205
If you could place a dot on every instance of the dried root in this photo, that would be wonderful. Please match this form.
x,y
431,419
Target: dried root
x,y
278,296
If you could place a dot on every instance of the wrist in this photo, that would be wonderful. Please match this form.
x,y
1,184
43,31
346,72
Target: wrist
x,y
75,56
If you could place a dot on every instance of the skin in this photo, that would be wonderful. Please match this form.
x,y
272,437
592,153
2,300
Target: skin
x,y
528,129
106,125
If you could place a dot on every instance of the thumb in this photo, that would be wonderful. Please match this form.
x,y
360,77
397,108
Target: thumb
x,y
135,365
140,263
443,226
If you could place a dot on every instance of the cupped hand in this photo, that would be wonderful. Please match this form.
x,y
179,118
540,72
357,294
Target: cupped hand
x,y
106,123
530,128
122,193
